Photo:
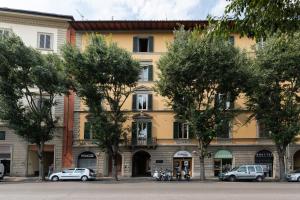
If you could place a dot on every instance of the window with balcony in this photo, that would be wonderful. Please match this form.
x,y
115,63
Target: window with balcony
x,y
88,131
143,44
141,132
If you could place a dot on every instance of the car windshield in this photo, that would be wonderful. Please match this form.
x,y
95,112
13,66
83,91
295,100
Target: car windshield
x,y
234,169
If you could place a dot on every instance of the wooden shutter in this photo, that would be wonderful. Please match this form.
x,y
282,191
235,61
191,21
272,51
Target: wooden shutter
x,y
134,97
135,44
149,133
133,133
150,44
150,73
150,99
175,130
87,130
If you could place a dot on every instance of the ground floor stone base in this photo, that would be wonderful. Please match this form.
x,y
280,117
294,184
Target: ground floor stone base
x,y
143,161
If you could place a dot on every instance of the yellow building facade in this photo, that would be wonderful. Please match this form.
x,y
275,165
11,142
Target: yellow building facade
x,y
157,141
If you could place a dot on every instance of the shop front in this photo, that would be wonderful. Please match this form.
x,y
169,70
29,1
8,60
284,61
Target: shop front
x,y
182,159
222,162
265,158
87,159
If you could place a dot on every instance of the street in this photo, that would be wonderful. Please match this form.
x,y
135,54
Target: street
x,y
149,190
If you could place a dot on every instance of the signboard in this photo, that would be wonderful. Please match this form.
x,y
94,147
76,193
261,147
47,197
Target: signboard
x,y
183,154
87,155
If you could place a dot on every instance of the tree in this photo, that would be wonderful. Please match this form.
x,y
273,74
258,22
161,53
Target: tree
x,y
261,18
105,76
29,82
273,91
201,75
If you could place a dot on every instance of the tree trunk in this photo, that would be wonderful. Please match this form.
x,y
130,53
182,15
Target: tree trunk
x,y
281,165
41,161
202,169
114,166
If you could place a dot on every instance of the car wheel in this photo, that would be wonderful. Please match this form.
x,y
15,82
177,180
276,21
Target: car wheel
x,y
298,179
232,178
84,178
55,178
259,179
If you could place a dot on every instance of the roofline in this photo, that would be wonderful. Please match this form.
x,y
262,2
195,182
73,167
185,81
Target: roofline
x,y
43,14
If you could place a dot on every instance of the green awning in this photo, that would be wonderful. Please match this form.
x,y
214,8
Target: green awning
x,y
223,154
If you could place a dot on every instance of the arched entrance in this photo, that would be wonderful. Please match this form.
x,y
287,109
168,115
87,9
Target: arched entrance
x,y
87,159
182,159
297,160
222,162
265,158
141,164
119,165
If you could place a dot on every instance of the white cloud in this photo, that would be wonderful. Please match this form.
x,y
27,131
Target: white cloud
x,y
123,9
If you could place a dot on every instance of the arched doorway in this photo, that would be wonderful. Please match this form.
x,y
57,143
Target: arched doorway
x,y
297,160
87,159
265,158
119,165
141,164
182,159
222,162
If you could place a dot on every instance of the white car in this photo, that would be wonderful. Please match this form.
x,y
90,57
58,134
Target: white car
x,y
1,171
294,176
83,174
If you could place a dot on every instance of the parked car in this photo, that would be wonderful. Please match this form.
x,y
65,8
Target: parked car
x,y
1,171
244,172
294,176
83,174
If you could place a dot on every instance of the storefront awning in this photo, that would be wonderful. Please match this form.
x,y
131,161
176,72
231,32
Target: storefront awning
x,y
223,154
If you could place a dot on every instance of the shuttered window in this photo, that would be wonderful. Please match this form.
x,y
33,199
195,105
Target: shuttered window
x,y
146,73
87,131
143,44
142,101
180,130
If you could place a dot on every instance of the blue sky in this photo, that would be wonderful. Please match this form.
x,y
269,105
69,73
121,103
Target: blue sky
x,y
124,9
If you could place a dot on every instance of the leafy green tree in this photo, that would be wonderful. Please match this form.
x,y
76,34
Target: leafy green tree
x,y
29,82
261,18
202,75
105,76
274,89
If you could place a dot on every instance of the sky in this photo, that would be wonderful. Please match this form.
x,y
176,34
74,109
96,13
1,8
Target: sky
x,y
124,9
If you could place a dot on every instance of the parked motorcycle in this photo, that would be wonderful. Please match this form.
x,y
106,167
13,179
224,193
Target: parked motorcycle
x,y
167,175
157,175
186,175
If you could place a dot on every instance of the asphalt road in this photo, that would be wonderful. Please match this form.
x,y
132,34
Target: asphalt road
x,y
141,190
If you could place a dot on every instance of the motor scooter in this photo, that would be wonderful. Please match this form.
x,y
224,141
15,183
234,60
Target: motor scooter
x,y
157,175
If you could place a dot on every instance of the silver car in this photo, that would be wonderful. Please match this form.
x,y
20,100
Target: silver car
x,y
1,171
244,172
294,176
83,174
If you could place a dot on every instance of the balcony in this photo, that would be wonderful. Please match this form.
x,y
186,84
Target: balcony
x,y
83,142
142,143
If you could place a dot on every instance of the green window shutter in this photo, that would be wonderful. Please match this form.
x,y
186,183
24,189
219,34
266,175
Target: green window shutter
x,y
134,96
133,133
150,99
87,130
135,44
191,132
231,40
149,133
150,44
175,130
150,73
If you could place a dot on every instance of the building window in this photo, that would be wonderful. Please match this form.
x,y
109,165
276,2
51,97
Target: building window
x,y
224,101
143,44
181,130
142,101
88,131
4,32
2,135
142,132
146,73
45,41
261,129
223,130
231,40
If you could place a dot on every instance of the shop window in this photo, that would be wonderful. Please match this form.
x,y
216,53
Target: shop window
x,y
45,41
143,44
222,162
2,135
